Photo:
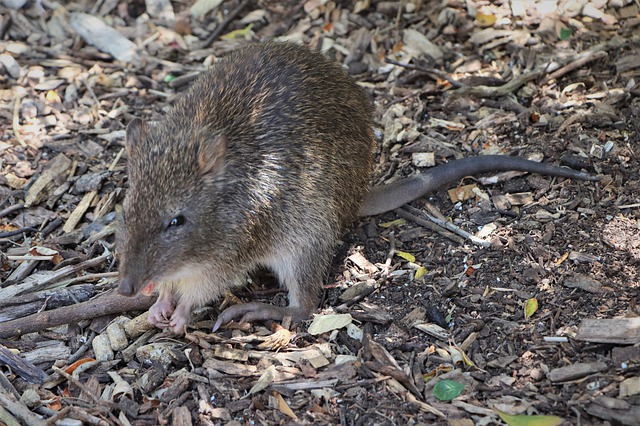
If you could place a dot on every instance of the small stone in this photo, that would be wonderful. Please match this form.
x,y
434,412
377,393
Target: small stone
x,y
117,336
592,11
10,65
423,159
102,348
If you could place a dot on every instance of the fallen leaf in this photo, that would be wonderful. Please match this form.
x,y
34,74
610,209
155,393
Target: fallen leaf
x,y
393,223
235,34
265,380
421,272
324,323
446,390
406,256
485,19
284,407
524,420
530,307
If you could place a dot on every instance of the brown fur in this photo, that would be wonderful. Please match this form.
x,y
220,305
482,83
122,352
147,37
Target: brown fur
x,y
267,157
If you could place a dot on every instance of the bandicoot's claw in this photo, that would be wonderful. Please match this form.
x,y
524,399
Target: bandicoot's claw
x,y
217,325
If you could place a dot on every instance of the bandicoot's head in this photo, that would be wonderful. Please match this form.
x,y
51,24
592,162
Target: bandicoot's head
x,y
169,212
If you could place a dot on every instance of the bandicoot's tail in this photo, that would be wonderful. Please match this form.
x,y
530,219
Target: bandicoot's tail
x,y
388,197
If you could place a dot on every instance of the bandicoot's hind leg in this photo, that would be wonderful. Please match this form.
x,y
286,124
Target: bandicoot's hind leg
x,y
301,273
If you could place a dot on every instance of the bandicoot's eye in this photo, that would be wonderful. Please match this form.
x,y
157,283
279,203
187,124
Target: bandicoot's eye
x,y
177,221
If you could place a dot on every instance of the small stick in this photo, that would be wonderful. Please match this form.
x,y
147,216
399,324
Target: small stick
x,y
431,71
15,123
435,227
7,211
446,225
392,251
629,206
52,226
579,63
507,88
107,405
220,28
108,304
85,347
17,232
19,410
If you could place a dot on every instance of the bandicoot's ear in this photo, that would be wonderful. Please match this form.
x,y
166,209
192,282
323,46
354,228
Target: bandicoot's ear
x,y
136,130
211,154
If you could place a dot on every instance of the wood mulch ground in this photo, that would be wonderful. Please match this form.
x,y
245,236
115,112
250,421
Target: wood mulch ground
x,y
525,305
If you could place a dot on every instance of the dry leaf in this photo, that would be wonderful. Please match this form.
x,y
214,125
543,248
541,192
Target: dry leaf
x,y
324,323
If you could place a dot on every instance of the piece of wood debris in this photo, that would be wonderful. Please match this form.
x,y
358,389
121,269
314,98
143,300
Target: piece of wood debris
x,y
55,168
107,304
107,39
520,199
21,367
630,387
625,355
629,416
583,257
584,282
613,330
363,263
576,371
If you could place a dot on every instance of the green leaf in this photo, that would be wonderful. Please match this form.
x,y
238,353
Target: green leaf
x,y
393,223
530,307
446,390
524,420
406,256
565,33
235,34
562,31
421,272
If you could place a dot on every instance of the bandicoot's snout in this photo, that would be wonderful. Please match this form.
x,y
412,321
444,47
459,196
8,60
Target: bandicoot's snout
x,y
126,287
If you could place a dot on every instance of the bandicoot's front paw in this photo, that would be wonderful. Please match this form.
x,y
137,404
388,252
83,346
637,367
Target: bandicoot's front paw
x,y
180,319
160,312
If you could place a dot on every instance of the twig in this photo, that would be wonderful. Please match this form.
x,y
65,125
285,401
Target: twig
x,y
108,304
17,232
392,252
579,63
410,95
59,415
19,410
629,206
362,383
431,71
11,209
446,225
107,405
88,277
429,225
505,89
220,28
58,275
51,226
7,387
90,90
15,123
76,356
360,297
